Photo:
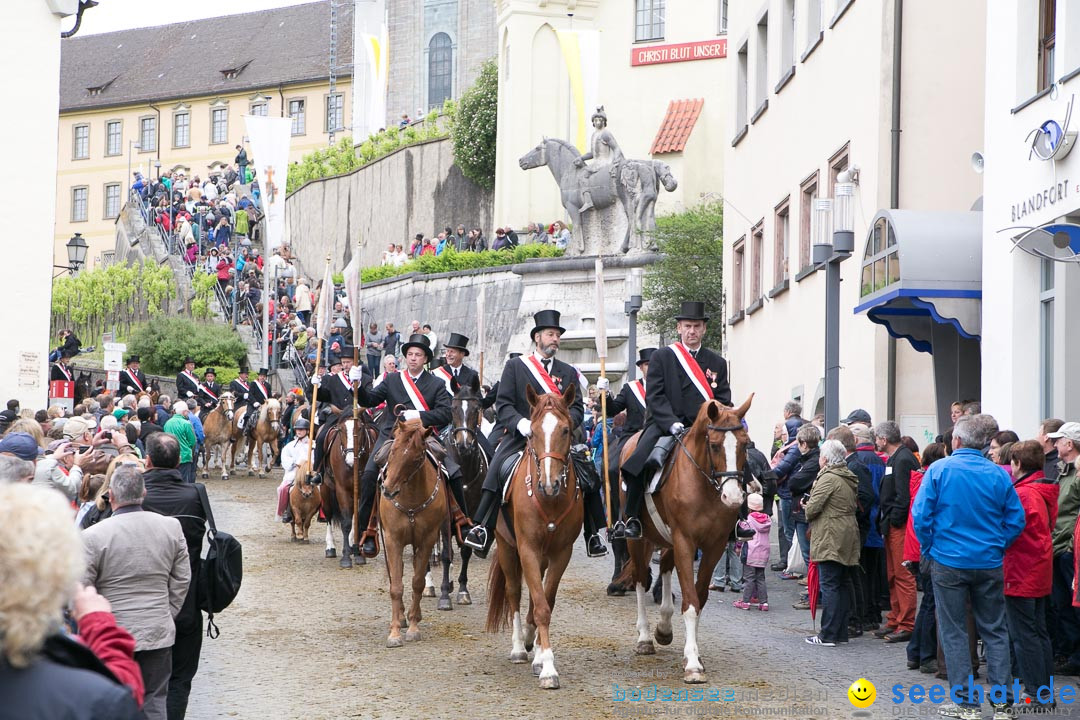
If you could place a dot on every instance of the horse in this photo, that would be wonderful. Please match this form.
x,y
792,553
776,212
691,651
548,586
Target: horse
x,y
696,507
218,430
83,388
343,453
560,157
265,433
152,392
640,182
462,447
546,509
414,509
305,499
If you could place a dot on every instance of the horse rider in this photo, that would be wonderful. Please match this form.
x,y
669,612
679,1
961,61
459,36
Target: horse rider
x,y
259,393
631,398
187,384
455,350
240,387
604,152
132,380
545,374
424,398
209,392
61,369
294,453
336,391
681,377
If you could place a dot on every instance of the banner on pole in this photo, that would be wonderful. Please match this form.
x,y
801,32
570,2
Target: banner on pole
x,y
601,319
324,317
352,291
270,138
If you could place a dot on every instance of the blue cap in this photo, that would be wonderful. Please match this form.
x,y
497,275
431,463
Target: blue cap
x,y
21,445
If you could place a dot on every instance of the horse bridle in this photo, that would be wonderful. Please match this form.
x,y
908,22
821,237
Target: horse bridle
x,y
716,478
410,513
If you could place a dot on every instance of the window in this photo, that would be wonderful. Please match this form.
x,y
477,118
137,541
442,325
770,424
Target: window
x,y
79,197
260,109
147,134
837,164
649,20
80,149
761,65
813,26
781,233
742,100
181,130
757,247
335,112
739,254
787,43
296,112
440,69
1046,340
722,30
112,200
1047,32
219,125
809,193
114,139
881,259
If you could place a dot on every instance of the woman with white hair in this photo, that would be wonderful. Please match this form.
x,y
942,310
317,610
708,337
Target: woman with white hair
x,y
834,541
41,563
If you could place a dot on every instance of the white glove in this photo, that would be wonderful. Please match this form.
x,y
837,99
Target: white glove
x,y
316,380
602,384
356,373
190,394
524,427
411,415
677,428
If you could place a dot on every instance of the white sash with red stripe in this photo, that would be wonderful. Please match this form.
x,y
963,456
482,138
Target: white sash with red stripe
x,y
63,369
692,369
541,375
194,380
206,389
247,388
134,380
445,375
638,389
262,389
414,392
345,380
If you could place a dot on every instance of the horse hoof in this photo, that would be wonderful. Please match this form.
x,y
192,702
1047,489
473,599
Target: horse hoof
x,y
519,657
445,604
429,591
694,677
645,647
295,539
412,636
331,552
549,683
393,642
537,668
361,560
345,562
205,476
463,598
663,638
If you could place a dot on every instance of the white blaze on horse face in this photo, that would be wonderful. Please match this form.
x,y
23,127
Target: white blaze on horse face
x,y
731,448
349,427
548,426
731,493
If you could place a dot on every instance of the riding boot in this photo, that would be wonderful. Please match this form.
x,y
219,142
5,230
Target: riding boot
x,y
366,519
635,493
594,520
460,519
480,537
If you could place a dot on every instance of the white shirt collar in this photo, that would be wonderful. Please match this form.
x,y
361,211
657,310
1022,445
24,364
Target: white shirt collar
x,y
541,357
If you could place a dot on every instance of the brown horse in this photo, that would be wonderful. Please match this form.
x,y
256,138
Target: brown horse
x,y
545,506
218,430
343,453
265,433
304,499
413,510
696,507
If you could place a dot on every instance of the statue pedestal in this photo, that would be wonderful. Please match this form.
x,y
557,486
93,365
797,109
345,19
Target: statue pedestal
x,y
600,232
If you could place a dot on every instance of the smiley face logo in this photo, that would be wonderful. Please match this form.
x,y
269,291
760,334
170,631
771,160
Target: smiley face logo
x,y
862,693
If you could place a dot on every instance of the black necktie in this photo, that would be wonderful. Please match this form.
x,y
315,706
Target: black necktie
x,y
693,354
455,371
547,365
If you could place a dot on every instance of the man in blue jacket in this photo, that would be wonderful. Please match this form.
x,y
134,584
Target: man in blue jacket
x,y
965,515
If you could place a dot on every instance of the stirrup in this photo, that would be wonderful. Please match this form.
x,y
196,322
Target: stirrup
x,y
477,538
594,546
632,529
617,531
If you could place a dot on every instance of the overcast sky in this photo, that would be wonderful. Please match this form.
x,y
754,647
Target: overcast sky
x,y
112,15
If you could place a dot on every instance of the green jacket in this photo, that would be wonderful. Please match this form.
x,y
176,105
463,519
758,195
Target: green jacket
x,y
834,531
1068,505
180,427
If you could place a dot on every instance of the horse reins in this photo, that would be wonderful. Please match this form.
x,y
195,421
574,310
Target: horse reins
x,y
712,475
551,525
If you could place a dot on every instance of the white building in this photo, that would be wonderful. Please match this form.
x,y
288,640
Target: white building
x,y
814,84
1029,354
29,30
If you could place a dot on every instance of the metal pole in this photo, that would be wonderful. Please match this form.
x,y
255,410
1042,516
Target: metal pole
x,y
832,342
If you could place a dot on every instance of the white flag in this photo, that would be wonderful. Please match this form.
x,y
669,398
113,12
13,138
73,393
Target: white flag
x,y
270,138
324,318
601,320
352,291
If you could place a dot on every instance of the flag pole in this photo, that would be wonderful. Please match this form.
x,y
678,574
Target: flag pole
x,y
314,388
601,351
358,322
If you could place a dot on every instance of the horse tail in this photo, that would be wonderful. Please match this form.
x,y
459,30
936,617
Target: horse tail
x,y
498,616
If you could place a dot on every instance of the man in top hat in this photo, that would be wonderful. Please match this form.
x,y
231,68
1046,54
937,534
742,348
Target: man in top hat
x,y
425,398
132,380
335,396
187,384
240,387
681,377
61,369
455,373
259,394
209,392
545,374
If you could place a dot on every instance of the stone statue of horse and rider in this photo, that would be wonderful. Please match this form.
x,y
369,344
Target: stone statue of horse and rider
x,y
599,196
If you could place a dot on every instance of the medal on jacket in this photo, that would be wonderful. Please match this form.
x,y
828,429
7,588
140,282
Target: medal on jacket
x,y
711,376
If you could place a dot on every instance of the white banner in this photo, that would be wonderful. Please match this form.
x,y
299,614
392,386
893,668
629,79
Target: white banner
x,y
270,138
376,48
324,313
352,291
581,52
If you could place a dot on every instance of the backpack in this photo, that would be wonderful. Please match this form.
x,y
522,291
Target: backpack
x,y
222,569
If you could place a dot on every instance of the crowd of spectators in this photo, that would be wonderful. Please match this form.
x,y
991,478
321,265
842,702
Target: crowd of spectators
x,y
474,240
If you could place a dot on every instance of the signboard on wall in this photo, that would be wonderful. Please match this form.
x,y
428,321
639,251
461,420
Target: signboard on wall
x,y
921,428
680,52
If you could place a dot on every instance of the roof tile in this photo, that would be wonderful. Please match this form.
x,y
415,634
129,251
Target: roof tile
x,y
677,125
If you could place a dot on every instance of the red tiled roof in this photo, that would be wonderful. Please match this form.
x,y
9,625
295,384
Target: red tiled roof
x,y
678,123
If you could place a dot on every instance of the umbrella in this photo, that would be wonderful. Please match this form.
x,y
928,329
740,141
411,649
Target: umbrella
x,y
812,587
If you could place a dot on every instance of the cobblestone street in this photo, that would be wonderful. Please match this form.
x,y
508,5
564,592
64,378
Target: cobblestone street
x,y
306,639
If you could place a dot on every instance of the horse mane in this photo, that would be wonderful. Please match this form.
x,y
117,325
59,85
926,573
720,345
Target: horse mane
x,y
550,402
565,144
264,411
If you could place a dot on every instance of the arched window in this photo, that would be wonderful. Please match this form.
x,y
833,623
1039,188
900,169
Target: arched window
x,y
440,69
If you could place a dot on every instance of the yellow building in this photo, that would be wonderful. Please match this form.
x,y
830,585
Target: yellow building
x,y
172,97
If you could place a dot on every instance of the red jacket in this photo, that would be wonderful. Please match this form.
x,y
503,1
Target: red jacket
x,y
912,549
1029,561
223,268
115,647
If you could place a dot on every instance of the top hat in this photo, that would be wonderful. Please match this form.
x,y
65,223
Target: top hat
x,y
188,359
458,342
347,351
133,358
643,355
515,355
333,360
263,371
546,319
692,310
243,369
418,340
210,371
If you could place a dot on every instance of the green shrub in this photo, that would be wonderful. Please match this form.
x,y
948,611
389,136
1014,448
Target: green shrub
x,y
474,127
164,344
452,261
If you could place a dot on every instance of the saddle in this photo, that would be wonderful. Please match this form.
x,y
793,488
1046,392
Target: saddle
x,y
657,462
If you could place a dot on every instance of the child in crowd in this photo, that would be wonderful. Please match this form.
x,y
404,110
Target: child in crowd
x,y
756,555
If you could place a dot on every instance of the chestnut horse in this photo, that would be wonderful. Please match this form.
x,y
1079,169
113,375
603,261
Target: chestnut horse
x,y
413,510
218,430
304,499
463,448
545,506
265,433
696,507
339,502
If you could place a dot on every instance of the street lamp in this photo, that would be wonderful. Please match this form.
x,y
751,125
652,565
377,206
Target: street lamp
x,y
76,251
631,308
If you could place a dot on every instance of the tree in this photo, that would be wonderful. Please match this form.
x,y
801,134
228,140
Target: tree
x,y
691,267
164,344
474,127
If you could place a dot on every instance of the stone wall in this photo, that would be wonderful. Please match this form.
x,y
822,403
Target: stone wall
x,y
415,189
